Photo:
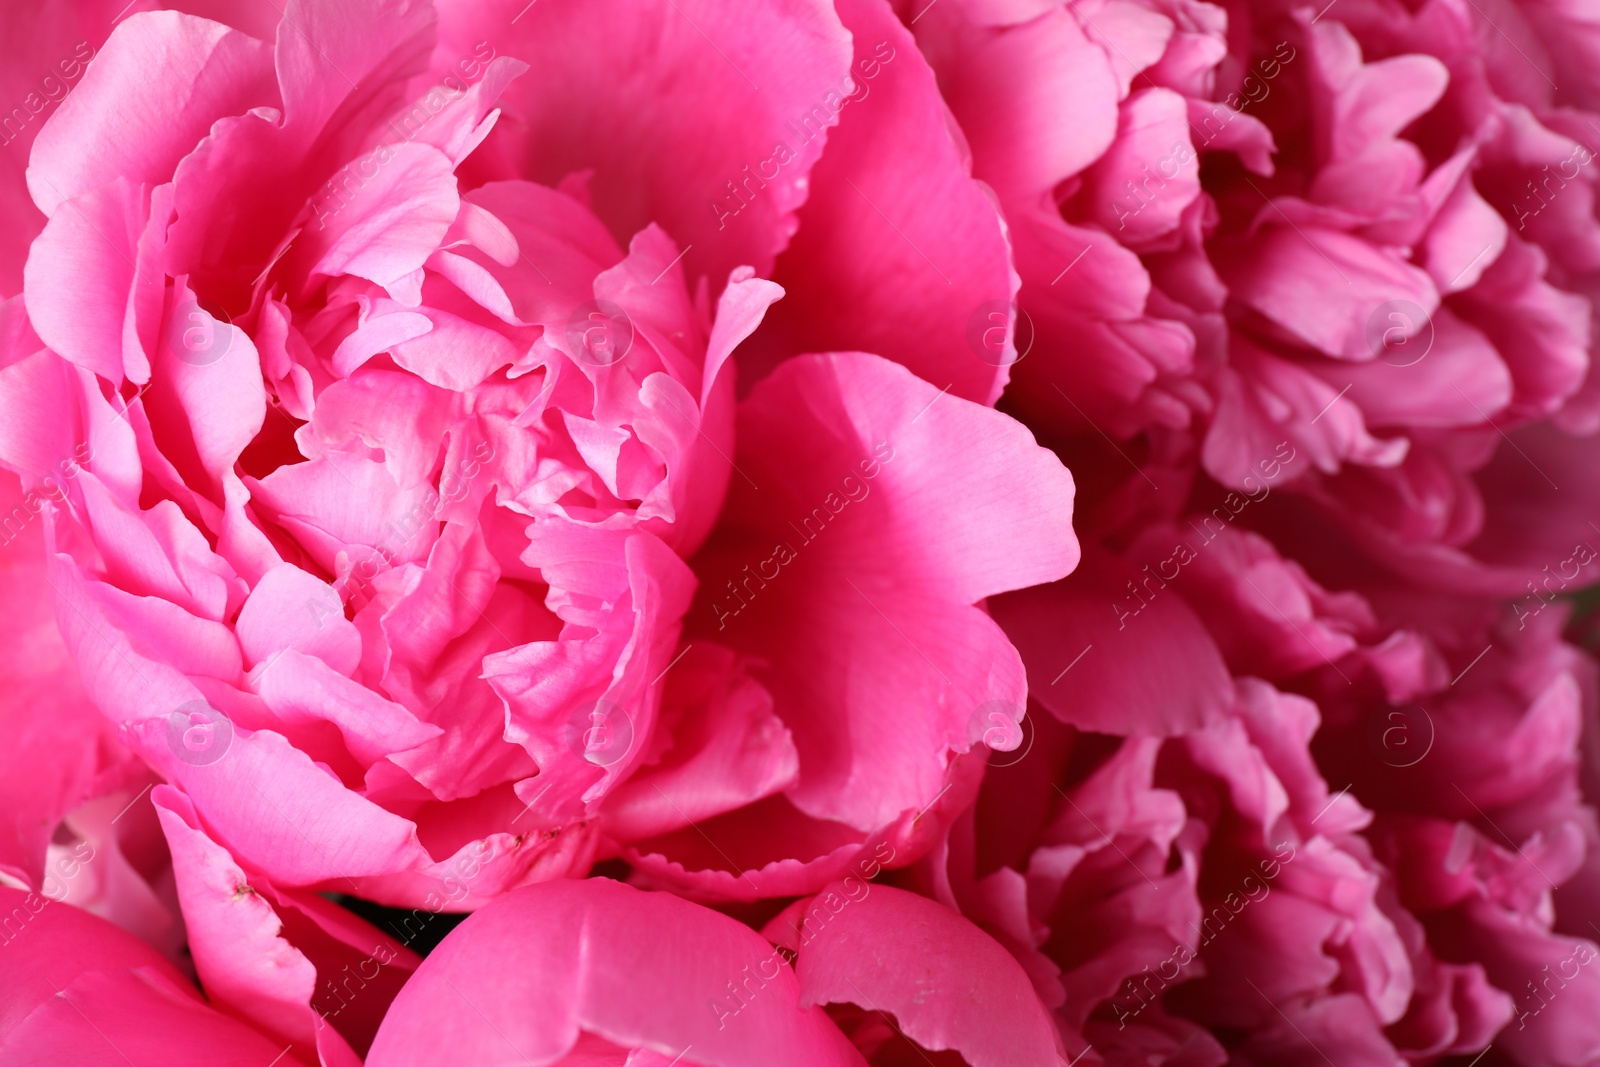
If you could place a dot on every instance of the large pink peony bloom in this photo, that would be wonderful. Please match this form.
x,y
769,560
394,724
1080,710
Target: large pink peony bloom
x,y
415,534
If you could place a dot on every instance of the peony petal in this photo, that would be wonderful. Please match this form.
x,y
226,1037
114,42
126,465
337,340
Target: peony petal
x,y
530,973
125,121
82,992
899,249
947,983
888,530
1111,650
735,85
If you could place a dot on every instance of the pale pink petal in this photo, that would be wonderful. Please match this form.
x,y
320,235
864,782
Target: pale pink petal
x,y
81,270
387,227
118,125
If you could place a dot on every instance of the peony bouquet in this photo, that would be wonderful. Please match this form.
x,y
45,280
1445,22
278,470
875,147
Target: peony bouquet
x,y
682,533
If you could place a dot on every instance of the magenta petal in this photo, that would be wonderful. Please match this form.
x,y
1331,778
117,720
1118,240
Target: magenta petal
x,y
59,750
734,83
300,970
78,992
1010,86
234,933
863,527
1111,649
727,750
46,49
135,1016
524,979
357,41
1319,286
947,983
900,251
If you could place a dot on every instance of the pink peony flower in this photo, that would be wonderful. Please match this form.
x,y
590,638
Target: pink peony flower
x,y
1416,756
415,535
1479,806
1209,896
1317,297
1362,233
389,499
